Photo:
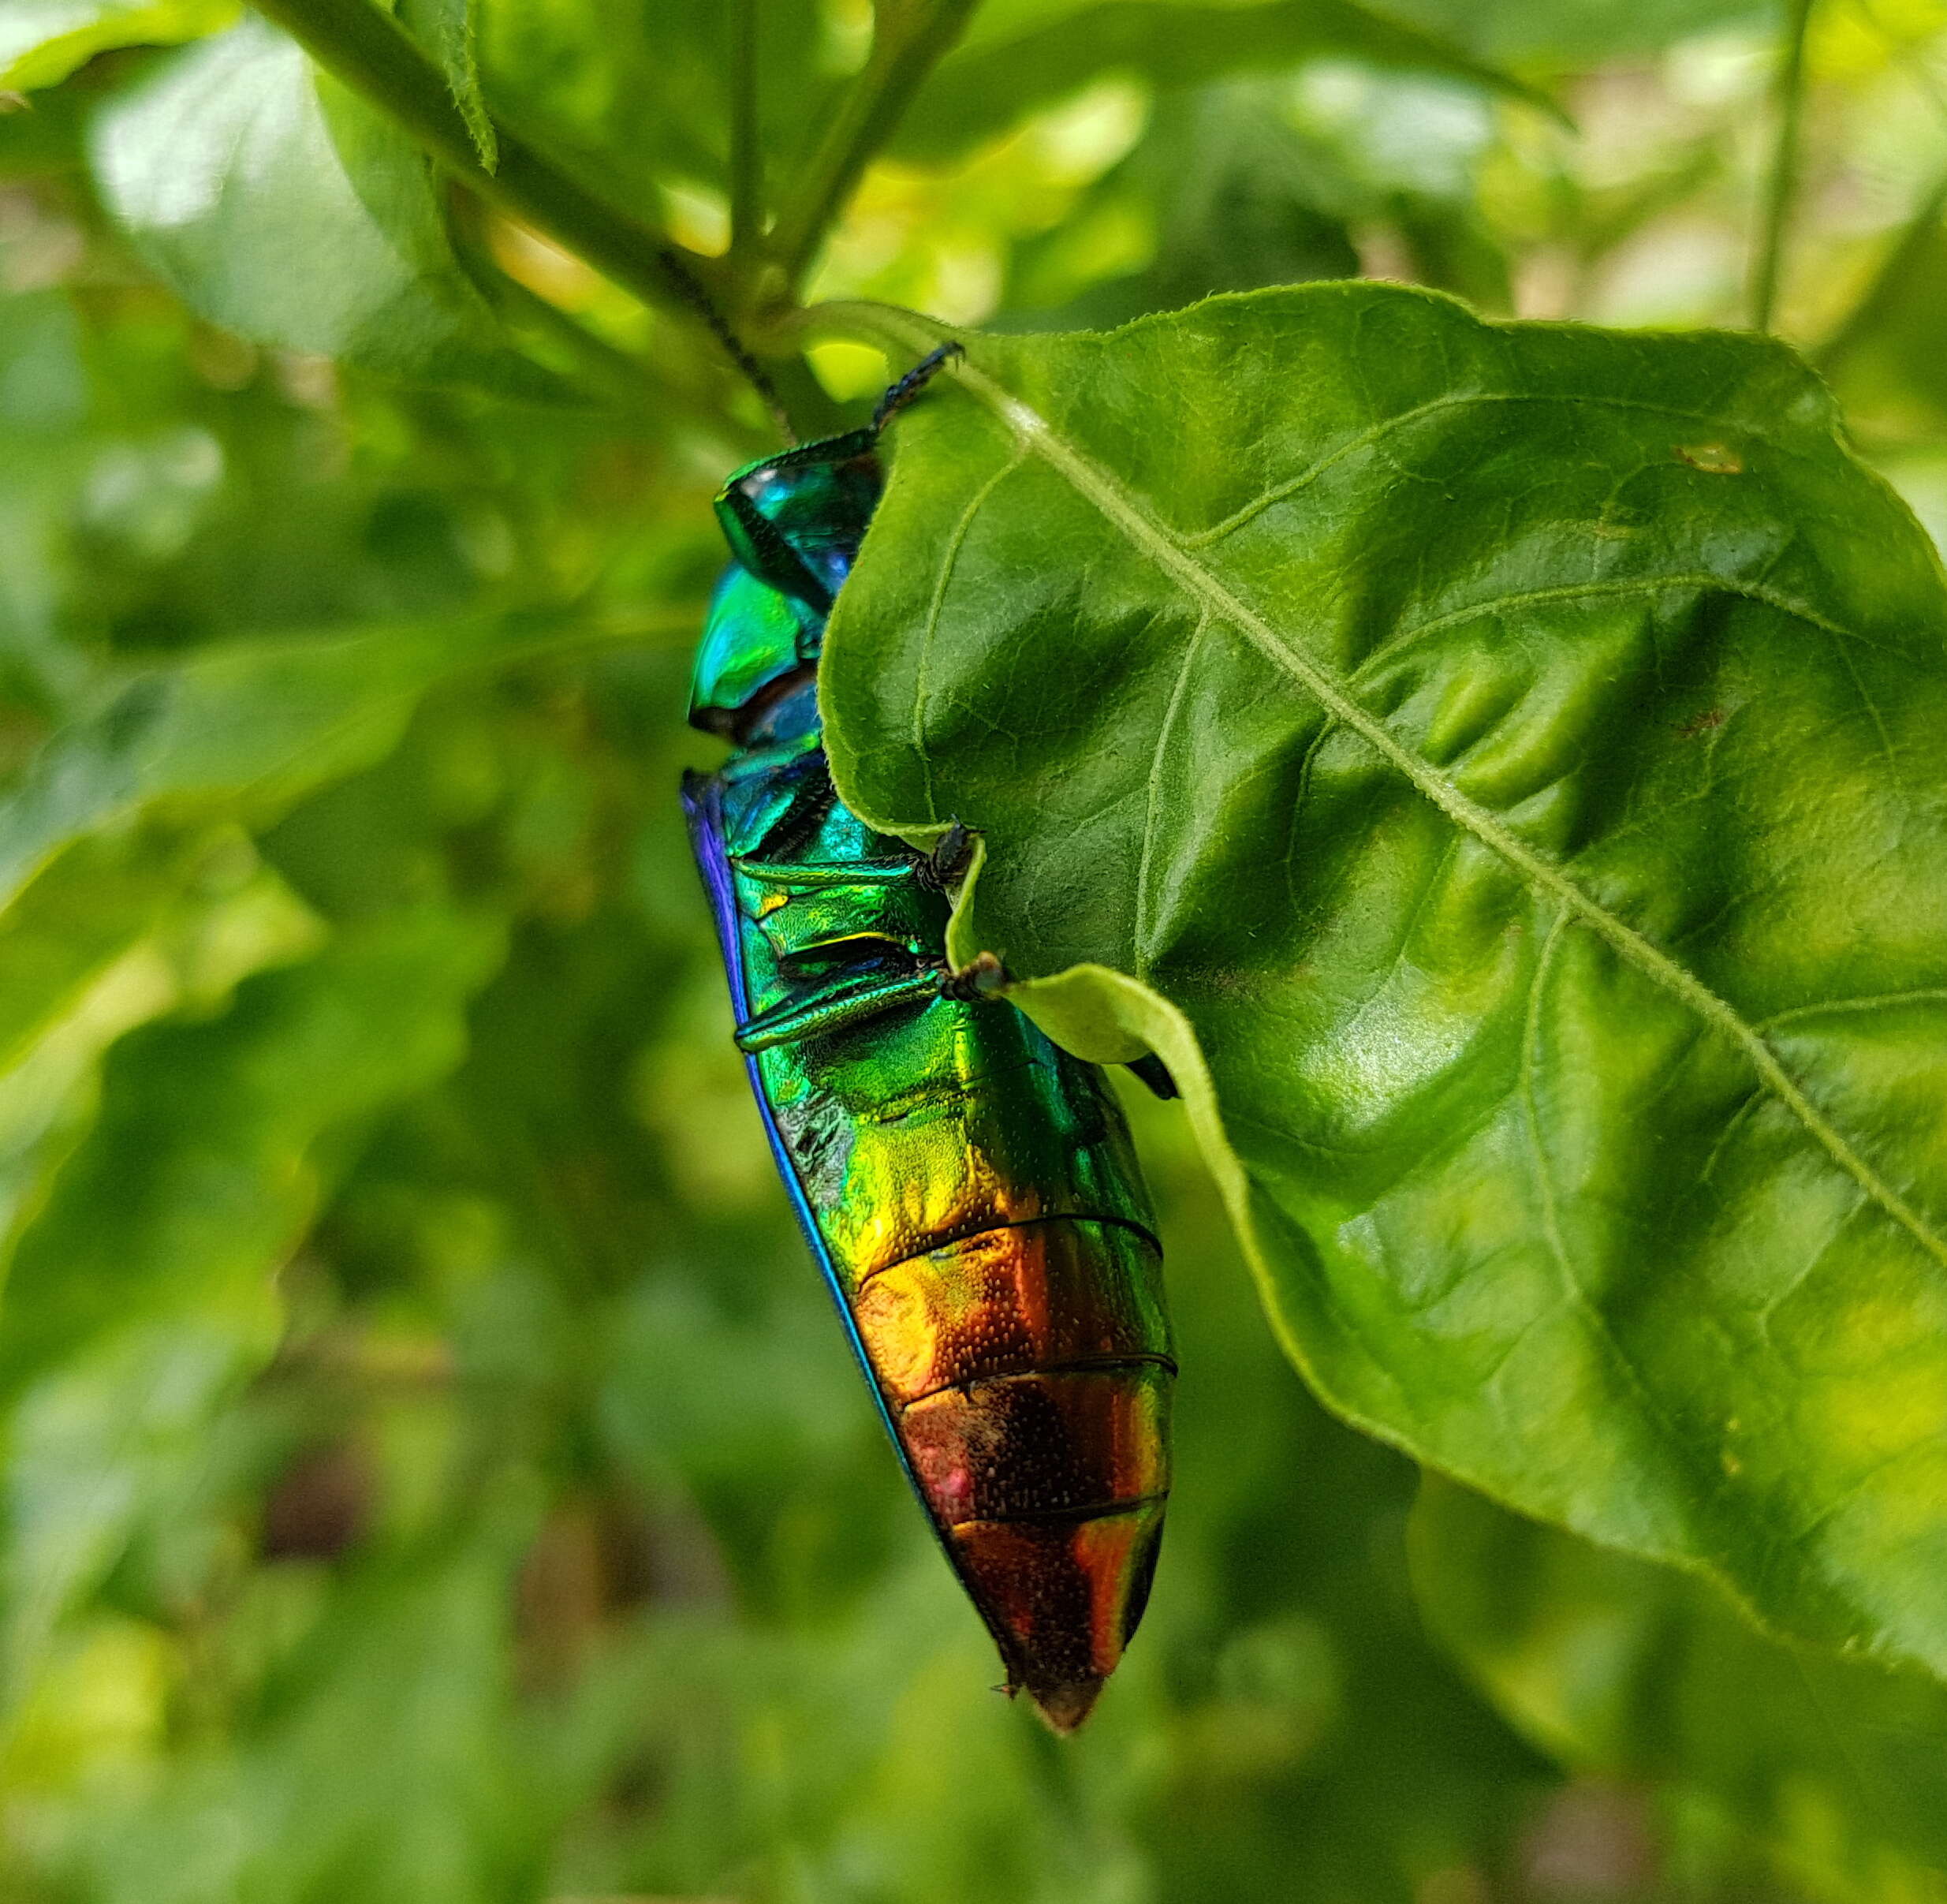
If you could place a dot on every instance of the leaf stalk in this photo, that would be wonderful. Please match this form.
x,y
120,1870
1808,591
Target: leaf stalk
x,y
908,41
1781,176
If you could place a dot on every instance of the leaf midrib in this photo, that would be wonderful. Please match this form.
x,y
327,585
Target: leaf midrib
x,y
1097,487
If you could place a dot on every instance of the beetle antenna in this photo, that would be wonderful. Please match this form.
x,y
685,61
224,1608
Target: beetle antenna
x,y
912,382
689,287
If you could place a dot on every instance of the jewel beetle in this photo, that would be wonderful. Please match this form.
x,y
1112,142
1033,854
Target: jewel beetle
x,y
968,1189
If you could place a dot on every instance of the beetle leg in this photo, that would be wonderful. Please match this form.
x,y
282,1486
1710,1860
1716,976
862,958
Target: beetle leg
x,y
912,382
951,855
982,978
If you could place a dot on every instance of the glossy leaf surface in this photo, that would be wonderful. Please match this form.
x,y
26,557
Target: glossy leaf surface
x,y
1636,1672
287,210
1495,765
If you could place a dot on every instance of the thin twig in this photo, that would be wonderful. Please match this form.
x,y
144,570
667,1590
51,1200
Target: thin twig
x,y
747,134
908,42
1781,181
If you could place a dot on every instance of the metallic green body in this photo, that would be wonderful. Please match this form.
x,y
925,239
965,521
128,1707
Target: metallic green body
x,y
969,1188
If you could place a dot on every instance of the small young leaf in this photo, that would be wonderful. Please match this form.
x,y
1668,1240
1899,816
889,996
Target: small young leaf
x,y
42,41
1498,766
1643,1673
450,28
287,209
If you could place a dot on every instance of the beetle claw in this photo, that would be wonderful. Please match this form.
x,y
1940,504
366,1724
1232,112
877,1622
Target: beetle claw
x,y
984,979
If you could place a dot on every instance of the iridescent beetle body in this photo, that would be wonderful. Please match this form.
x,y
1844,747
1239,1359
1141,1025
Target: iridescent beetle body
x,y
969,1190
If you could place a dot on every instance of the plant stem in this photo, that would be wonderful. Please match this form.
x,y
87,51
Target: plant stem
x,y
747,132
909,42
371,52
1781,181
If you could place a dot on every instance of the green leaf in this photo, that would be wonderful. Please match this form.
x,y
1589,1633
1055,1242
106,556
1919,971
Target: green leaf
x,y
42,41
287,209
78,975
649,89
1643,1673
390,1743
1495,766
1026,60
1237,199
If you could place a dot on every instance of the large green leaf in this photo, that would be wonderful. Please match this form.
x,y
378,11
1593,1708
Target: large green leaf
x,y
1639,1672
1032,57
289,211
42,41
1497,766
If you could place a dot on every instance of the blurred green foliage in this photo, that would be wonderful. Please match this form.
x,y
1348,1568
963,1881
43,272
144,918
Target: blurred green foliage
x,y
428,1469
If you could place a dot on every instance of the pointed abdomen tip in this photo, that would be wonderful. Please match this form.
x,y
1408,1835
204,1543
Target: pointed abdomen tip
x,y
1061,1597
1065,1707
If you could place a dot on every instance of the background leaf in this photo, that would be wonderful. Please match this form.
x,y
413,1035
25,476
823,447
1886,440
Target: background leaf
x,y
1568,32
1426,713
1020,60
292,213
212,1161
42,41
1643,1673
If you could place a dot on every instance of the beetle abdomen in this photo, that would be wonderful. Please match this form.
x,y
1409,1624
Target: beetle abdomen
x,y
1029,1373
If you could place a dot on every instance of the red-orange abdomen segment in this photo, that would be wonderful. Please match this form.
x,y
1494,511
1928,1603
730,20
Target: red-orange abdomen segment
x,y
1029,1373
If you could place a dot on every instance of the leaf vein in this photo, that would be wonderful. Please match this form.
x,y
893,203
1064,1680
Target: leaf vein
x,y
1153,801
1376,434
949,559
